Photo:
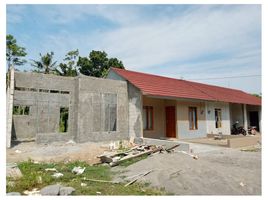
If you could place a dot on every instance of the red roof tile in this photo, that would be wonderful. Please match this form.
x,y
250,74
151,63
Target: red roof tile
x,y
163,86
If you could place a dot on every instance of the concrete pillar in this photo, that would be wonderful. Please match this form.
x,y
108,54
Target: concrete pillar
x,y
9,104
245,117
260,117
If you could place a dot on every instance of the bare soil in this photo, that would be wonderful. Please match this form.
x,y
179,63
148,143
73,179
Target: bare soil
x,y
55,152
219,172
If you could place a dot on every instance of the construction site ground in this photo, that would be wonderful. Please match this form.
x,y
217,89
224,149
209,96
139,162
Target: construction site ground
x,y
223,171
217,171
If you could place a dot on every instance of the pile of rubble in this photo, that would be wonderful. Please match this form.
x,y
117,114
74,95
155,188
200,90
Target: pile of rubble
x,y
114,158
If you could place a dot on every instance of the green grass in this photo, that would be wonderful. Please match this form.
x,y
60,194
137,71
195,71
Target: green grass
x,y
32,173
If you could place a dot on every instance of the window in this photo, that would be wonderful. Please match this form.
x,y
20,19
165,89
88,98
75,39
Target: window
x,y
64,115
148,118
218,118
21,110
193,118
110,112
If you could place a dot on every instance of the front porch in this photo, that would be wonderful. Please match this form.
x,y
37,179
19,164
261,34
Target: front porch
x,y
182,119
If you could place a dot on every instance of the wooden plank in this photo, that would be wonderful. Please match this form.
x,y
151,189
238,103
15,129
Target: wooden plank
x,y
134,180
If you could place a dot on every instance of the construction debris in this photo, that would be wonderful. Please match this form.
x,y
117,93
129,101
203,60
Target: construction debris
x,y
172,148
114,158
34,192
18,151
78,170
101,181
138,177
57,175
51,170
242,184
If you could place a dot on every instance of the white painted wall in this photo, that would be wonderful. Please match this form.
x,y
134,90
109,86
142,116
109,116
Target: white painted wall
x,y
183,130
210,115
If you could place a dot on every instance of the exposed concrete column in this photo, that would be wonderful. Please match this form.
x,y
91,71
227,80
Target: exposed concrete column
x,y
260,117
245,117
9,104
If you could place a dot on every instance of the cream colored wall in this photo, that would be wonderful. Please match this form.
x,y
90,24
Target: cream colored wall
x,y
183,130
226,125
158,117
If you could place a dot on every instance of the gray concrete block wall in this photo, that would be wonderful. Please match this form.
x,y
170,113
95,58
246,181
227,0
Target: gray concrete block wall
x,y
91,91
134,106
43,121
44,112
135,111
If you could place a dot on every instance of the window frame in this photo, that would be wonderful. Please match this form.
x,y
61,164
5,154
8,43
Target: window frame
x,y
147,110
218,110
192,110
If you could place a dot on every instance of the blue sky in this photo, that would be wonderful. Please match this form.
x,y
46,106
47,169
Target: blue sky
x,y
190,41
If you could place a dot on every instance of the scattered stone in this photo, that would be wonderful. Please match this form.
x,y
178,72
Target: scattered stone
x,y
64,191
78,170
57,175
13,194
242,184
83,184
70,142
34,192
17,151
50,190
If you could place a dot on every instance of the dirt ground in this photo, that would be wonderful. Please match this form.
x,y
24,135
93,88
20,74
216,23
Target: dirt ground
x,y
219,172
55,152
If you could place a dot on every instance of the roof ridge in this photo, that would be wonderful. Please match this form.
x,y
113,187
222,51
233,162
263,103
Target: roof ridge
x,y
176,79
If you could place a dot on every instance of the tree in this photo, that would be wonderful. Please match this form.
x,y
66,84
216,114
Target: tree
x,y
69,68
14,53
257,95
97,64
45,64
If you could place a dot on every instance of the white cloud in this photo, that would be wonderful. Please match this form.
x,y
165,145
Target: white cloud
x,y
183,43
184,38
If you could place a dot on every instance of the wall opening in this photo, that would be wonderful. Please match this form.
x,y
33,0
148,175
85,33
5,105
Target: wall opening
x,y
21,110
218,118
110,112
64,115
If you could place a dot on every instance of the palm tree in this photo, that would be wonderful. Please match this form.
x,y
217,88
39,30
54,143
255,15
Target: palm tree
x,y
45,64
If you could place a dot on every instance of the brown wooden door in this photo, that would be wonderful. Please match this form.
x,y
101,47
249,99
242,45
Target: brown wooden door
x,y
170,122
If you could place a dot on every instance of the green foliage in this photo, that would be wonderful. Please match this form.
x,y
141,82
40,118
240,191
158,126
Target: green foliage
x,y
64,115
21,110
69,67
97,64
45,64
35,176
257,95
14,53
